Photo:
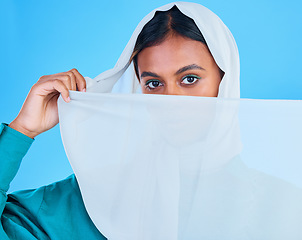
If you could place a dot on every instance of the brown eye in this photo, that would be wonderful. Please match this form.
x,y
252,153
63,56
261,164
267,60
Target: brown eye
x,y
190,79
152,84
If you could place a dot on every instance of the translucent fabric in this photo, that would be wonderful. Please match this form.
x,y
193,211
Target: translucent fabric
x,y
178,167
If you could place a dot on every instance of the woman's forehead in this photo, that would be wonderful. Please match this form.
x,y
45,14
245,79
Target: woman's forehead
x,y
174,52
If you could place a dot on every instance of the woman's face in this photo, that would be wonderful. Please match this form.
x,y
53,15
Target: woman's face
x,y
179,66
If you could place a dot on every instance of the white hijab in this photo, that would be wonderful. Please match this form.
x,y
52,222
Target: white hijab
x,y
218,37
168,167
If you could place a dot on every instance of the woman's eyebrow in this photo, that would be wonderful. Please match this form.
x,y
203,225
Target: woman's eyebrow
x,y
149,74
189,67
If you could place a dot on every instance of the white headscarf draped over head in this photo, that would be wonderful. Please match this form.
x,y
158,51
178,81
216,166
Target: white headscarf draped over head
x,y
137,157
218,38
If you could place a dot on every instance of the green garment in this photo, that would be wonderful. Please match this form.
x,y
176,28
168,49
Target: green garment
x,y
55,211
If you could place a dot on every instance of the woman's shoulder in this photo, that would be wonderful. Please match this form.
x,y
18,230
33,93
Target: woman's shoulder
x,y
64,193
56,210
49,195
68,185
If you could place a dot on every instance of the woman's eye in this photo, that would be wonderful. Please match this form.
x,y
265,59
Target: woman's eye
x,y
152,84
190,79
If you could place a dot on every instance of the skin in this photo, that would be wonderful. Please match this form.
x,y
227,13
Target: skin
x,y
178,66
39,112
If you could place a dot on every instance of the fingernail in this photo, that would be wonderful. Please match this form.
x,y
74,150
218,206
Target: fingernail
x,y
68,99
84,90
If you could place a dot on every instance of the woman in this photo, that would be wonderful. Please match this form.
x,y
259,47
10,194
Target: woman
x,y
171,56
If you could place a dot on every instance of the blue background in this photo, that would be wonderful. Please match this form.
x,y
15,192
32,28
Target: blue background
x,y
45,37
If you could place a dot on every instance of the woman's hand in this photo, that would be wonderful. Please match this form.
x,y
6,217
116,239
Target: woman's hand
x,y
39,112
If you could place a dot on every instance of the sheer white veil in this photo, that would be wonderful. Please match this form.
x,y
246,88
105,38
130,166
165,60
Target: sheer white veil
x,y
169,167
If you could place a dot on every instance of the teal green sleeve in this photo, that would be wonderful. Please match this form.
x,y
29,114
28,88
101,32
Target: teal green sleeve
x,y
55,211
13,147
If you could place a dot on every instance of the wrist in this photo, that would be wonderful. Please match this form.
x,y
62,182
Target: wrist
x,y
18,127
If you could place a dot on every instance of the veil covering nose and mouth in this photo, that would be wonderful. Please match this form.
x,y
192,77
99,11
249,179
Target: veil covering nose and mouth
x,y
170,167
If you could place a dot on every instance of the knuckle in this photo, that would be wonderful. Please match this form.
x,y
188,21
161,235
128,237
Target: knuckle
x,y
67,77
34,87
59,84
42,78
56,82
71,74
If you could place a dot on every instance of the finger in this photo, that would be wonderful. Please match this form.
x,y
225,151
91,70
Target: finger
x,y
46,78
51,87
80,80
72,78
60,87
64,78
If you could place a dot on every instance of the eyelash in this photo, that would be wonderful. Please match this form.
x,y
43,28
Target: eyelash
x,y
152,81
192,76
161,84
